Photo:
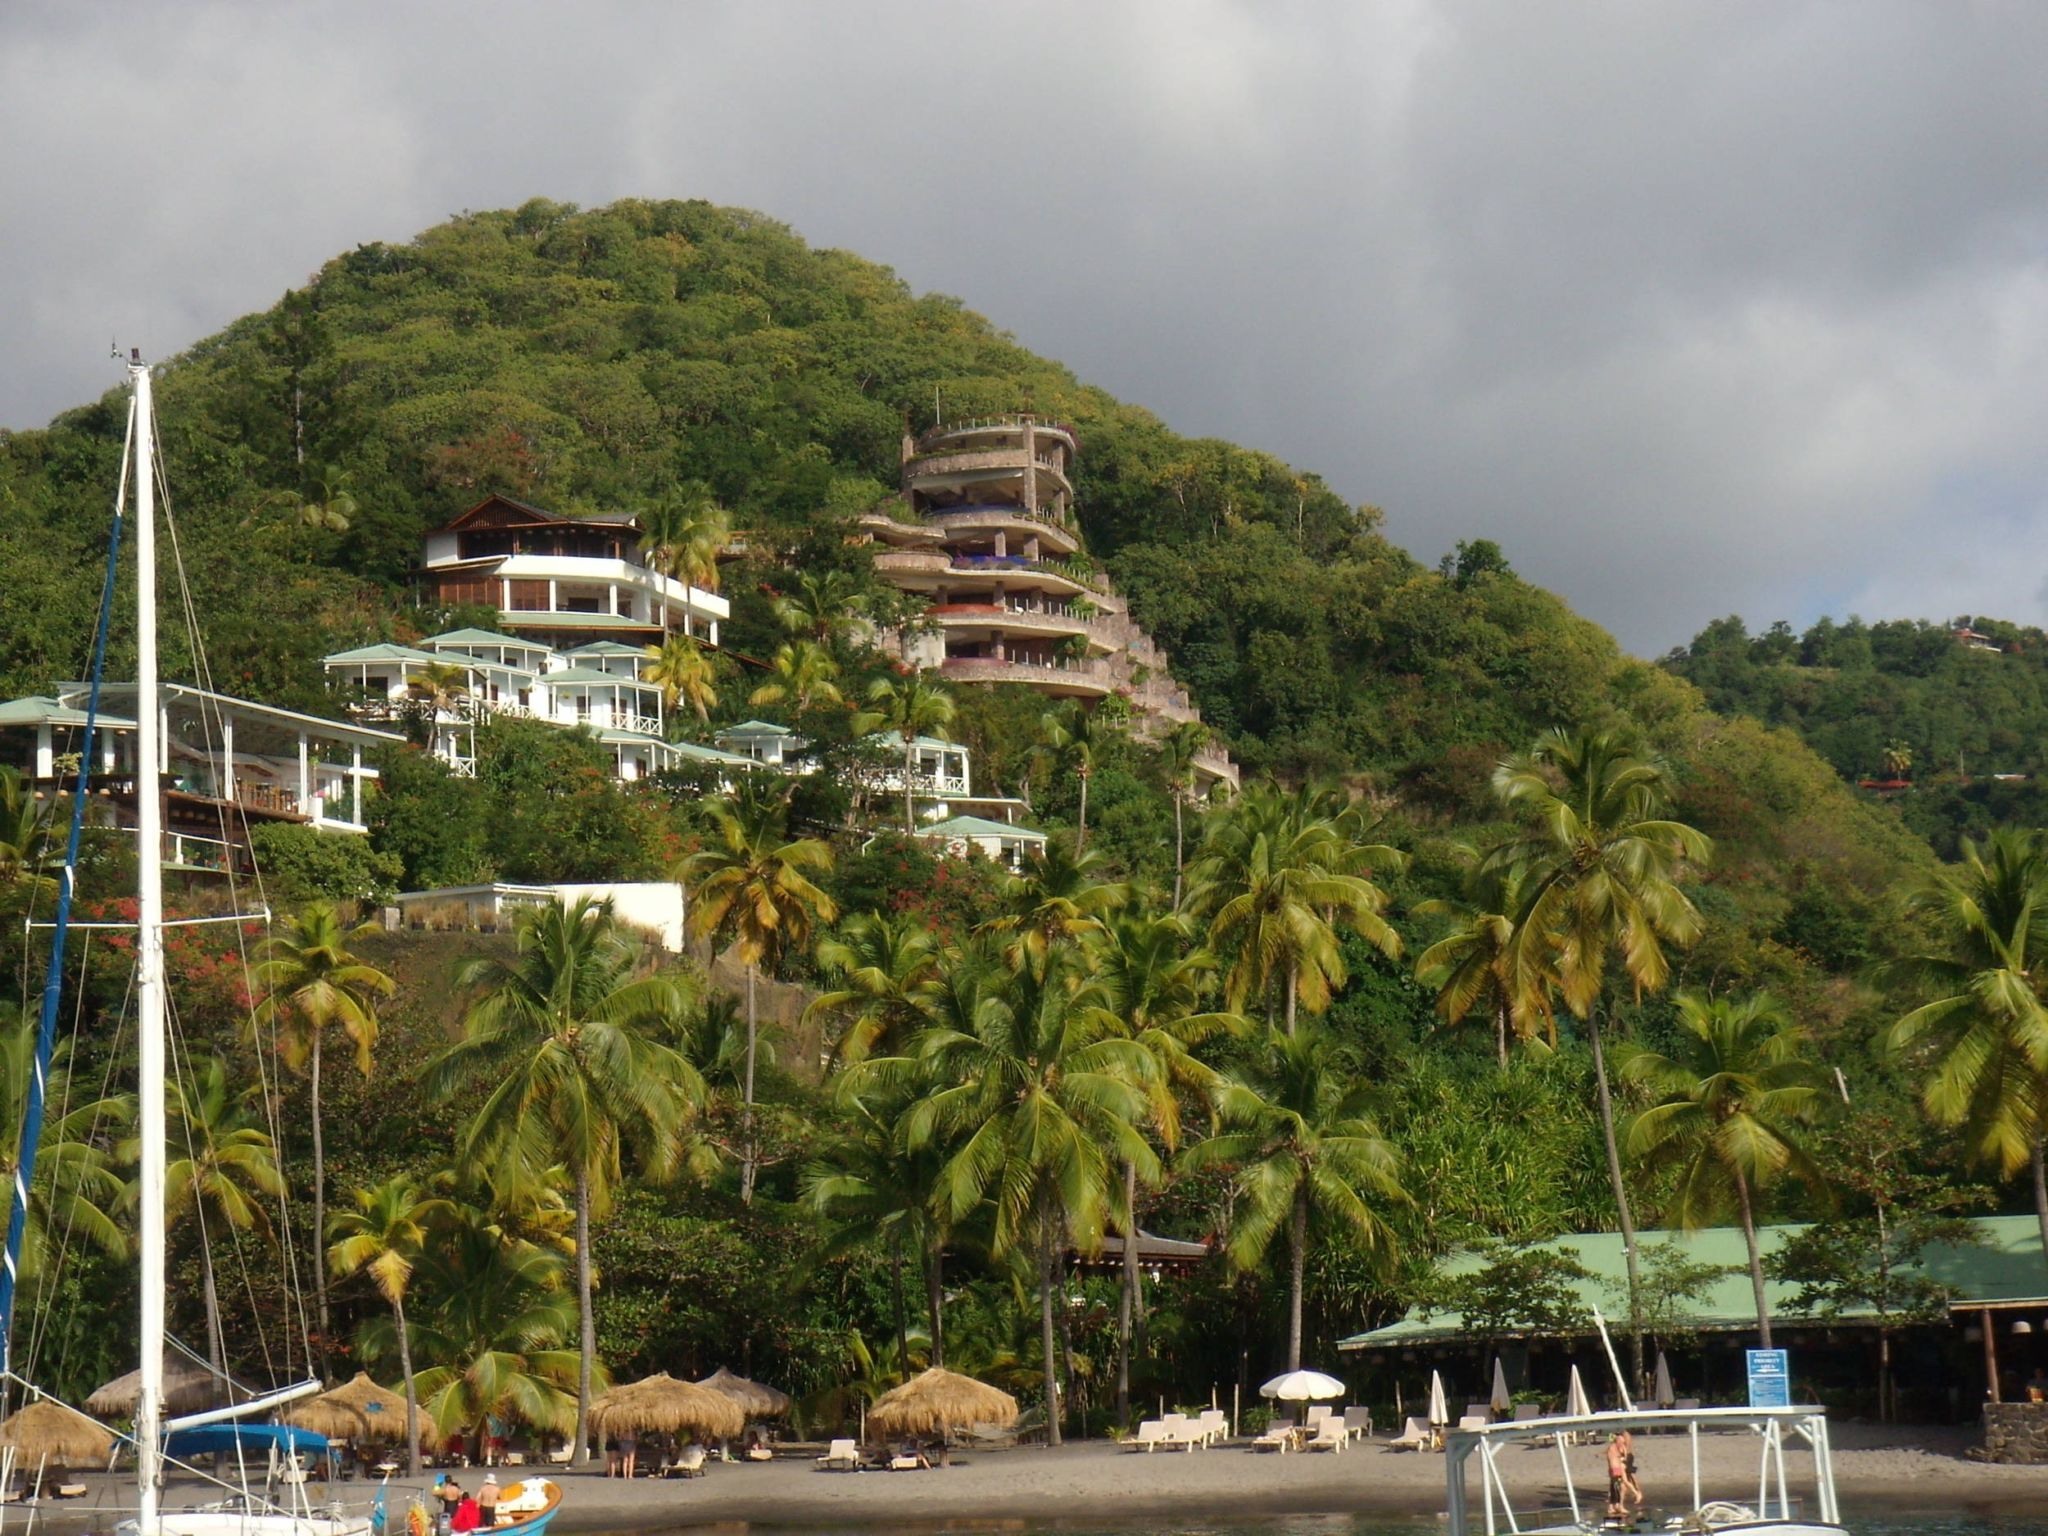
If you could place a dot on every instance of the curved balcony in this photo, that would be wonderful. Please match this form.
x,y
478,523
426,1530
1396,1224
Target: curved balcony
x,y
969,465
1008,520
1074,679
998,426
1013,619
922,570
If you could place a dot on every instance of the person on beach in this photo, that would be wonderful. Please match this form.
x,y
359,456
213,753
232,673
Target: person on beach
x,y
1617,1476
487,1501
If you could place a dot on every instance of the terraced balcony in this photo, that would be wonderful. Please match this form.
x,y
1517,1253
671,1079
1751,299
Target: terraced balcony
x,y
1073,679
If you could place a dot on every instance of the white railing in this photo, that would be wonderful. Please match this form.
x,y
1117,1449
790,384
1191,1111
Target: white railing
x,y
644,725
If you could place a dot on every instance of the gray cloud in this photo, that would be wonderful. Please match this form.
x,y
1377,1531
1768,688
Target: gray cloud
x,y
1696,308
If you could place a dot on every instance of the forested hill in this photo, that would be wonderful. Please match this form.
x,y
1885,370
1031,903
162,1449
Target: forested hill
x,y
591,359
1950,721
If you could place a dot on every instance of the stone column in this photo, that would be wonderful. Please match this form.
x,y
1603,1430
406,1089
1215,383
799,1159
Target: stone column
x,y
1030,466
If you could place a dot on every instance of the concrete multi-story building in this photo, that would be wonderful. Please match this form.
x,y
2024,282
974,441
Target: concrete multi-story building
x,y
986,532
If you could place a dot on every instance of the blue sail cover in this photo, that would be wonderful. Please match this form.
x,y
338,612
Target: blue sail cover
x,y
211,1439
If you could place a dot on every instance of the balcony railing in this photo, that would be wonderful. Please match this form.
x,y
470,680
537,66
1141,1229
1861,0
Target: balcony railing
x,y
644,725
1028,669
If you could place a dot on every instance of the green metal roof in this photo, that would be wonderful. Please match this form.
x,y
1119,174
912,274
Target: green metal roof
x,y
976,826
607,648
2007,1269
41,709
692,750
895,739
462,637
595,675
384,651
750,728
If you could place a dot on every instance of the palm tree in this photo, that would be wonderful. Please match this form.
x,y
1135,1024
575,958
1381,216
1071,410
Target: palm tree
x,y
384,1235
75,1187
682,534
751,885
1038,1106
220,1168
330,506
876,1186
805,677
440,686
1277,874
491,1320
1177,754
1986,1026
1297,1128
1059,897
684,674
887,969
1071,737
1731,1103
1604,861
312,982
911,707
563,1037
27,851
1155,982
823,605
1473,966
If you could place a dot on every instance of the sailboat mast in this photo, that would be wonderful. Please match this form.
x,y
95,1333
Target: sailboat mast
x,y
149,980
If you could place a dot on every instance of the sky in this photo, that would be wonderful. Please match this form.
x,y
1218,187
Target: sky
x,y
1696,309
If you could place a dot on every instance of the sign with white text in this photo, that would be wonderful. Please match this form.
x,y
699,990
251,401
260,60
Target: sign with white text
x,y
1770,1379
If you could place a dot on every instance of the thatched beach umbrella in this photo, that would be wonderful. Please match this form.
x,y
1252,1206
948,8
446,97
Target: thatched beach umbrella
x,y
49,1431
663,1405
187,1389
755,1400
939,1400
358,1410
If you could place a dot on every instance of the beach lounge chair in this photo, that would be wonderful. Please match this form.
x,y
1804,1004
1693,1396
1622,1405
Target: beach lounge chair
x,y
840,1456
68,1491
1483,1412
1316,1414
1180,1433
1357,1422
1279,1438
1686,1404
1150,1433
1415,1436
1475,1421
1214,1425
689,1462
1527,1411
1330,1435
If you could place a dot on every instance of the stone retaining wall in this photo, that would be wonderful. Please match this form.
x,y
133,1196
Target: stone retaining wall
x,y
2016,1433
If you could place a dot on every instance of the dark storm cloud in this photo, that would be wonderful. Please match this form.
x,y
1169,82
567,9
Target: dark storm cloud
x,y
1697,309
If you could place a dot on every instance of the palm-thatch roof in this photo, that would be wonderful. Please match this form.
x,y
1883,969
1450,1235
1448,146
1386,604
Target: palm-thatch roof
x,y
358,1410
49,1431
663,1405
755,1400
938,1399
187,1389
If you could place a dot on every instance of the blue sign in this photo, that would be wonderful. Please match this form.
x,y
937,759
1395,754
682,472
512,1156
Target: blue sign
x,y
1770,1379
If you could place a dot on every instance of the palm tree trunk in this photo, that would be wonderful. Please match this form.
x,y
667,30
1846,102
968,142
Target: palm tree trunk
x,y
1297,1269
1179,804
1077,1389
1293,992
216,1343
1045,1338
1128,1307
747,1109
319,1200
1081,835
587,1344
2041,1189
412,1400
1756,1261
902,1319
1621,1206
1500,1034
935,1298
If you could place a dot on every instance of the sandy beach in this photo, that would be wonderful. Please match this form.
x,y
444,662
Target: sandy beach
x,y
1878,1470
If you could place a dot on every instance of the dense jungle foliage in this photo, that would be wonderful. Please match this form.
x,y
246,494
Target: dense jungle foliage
x,y
598,359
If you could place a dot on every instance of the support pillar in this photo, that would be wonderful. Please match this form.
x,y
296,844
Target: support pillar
x,y
305,779
355,783
46,754
1990,1357
1030,466
227,759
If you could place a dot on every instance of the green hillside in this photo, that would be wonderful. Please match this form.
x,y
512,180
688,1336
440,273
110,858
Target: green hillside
x,y
598,360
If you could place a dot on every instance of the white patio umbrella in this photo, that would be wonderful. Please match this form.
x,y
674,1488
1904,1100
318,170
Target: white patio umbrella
x,y
1302,1387
1665,1396
1439,1410
1576,1403
1500,1402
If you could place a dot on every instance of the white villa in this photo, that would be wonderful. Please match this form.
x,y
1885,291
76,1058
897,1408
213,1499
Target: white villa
x,y
229,765
569,580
